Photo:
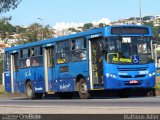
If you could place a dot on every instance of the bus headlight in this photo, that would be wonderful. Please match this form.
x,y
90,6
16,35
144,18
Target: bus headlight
x,y
152,74
114,76
111,75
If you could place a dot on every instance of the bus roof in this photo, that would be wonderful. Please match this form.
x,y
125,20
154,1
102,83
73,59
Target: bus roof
x,y
71,36
52,40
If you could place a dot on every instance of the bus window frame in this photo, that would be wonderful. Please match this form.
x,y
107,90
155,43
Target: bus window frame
x,y
60,51
24,58
78,51
51,57
36,57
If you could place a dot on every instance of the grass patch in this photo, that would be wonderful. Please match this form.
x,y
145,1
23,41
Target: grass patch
x,y
158,86
157,83
2,92
2,89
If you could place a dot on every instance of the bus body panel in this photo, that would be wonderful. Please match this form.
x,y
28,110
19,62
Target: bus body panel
x,y
121,76
39,86
7,77
66,79
19,87
33,74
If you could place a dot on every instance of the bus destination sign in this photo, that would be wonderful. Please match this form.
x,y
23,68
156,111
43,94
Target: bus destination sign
x,y
129,30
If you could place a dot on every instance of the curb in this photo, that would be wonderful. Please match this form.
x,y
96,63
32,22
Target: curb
x,y
12,95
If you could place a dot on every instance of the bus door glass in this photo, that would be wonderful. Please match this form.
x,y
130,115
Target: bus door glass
x,y
49,67
96,63
14,72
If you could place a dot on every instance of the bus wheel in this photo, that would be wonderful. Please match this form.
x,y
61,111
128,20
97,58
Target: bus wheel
x,y
29,91
151,92
82,89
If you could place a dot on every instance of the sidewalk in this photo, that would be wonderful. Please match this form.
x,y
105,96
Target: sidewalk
x,y
3,94
12,95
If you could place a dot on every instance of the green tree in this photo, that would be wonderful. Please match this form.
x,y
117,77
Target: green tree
x,y
33,32
87,26
20,30
6,5
156,31
102,25
73,30
48,32
6,29
148,23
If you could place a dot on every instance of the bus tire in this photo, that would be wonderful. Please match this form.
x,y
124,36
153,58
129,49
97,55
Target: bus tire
x,y
29,90
82,89
151,92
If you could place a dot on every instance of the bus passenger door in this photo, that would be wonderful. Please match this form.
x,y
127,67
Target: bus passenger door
x,y
49,68
96,63
14,72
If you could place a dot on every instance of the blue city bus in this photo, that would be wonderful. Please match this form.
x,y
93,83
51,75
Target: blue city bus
x,y
110,58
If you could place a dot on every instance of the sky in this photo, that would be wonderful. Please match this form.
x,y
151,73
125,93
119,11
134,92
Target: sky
x,y
85,11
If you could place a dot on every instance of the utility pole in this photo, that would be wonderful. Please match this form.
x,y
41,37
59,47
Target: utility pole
x,y
42,26
140,12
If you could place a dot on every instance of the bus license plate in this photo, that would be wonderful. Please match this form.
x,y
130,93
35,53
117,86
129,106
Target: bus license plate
x,y
133,81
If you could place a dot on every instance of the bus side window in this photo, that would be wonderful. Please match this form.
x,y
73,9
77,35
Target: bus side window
x,y
63,52
22,63
79,52
37,56
83,55
32,52
24,58
80,43
35,62
72,45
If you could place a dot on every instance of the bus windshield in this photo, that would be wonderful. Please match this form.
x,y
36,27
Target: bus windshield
x,y
129,50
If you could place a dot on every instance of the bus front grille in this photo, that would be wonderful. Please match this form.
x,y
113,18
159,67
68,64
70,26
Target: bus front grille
x,y
133,69
135,76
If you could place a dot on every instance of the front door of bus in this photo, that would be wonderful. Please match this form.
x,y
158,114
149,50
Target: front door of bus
x,y
96,63
49,68
14,72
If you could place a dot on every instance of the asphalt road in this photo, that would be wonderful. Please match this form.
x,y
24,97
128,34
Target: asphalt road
x,y
115,105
